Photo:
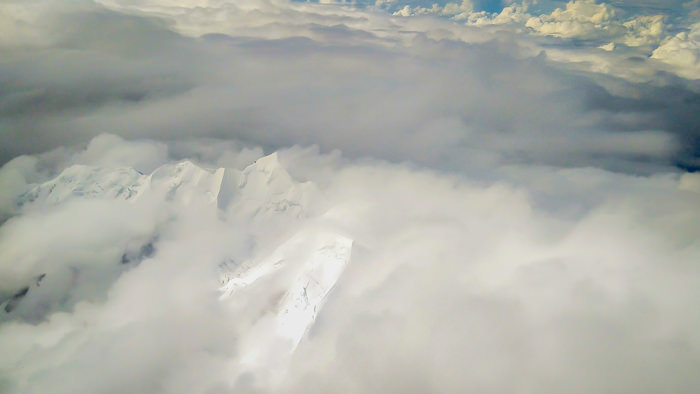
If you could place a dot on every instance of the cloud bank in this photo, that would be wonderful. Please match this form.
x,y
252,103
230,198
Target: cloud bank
x,y
277,73
507,196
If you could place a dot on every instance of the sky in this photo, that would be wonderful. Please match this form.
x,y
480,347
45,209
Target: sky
x,y
517,180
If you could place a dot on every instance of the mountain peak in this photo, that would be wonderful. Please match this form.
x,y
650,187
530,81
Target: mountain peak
x,y
271,161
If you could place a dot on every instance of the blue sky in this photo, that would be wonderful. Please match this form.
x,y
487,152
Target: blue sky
x,y
642,6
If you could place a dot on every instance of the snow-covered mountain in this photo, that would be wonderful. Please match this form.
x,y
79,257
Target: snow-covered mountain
x,y
303,257
263,186
81,181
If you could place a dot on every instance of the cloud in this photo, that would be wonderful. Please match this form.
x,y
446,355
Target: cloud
x,y
111,151
583,20
454,10
517,199
682,52
249,88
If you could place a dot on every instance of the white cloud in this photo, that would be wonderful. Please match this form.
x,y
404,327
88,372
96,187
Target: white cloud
x,y
458,11
682,52
584,20
14,177
113,151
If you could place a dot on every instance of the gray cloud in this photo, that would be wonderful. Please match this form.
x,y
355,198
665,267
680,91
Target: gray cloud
x,y
355,96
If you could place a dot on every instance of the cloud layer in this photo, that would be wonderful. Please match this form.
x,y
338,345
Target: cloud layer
x,y
278,73
514,185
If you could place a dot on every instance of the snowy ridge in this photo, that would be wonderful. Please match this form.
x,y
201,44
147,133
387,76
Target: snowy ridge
x,y
80,181
185,183
266,187
262,187
314,261
306,297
